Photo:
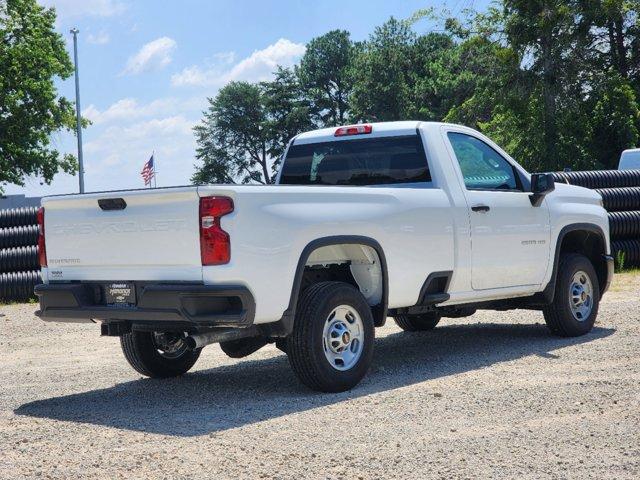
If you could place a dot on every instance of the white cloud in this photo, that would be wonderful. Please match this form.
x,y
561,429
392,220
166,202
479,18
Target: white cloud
x,y
86,8
115,154
115,157
262,63
152,56
124,134
257,67
129,109
100,38
224,57
141,134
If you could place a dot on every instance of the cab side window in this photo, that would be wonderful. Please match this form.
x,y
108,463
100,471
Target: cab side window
x,y
482,167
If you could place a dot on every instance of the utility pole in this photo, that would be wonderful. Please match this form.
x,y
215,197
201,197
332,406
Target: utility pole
x,y
75,32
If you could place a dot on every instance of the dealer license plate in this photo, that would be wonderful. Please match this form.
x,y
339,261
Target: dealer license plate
x,y
120,294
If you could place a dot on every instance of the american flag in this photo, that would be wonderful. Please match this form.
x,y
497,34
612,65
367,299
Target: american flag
x,y
148,172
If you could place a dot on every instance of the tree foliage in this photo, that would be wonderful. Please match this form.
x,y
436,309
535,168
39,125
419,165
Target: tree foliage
x,y
288,112
560,97
246,129
32,54
232,138
384,74
326,76
556,83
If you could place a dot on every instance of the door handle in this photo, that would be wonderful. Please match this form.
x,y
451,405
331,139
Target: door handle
x,y
481,208
112,203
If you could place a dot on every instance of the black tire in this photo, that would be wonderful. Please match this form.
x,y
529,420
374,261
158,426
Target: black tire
x,y
417,323
305,345
559,316
141,351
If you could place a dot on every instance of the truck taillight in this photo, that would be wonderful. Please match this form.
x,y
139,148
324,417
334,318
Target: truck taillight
x,y
215,244
42,251
353,130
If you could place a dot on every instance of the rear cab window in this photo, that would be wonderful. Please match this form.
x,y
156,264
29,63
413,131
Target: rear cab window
x,y
398,160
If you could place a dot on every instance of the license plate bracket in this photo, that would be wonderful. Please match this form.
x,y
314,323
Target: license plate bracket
x,y
120,294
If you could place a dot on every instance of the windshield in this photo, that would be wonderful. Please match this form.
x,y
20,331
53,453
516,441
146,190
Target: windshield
x,y
370,161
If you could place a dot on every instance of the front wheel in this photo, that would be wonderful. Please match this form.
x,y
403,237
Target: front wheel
x,y
331,346
158,355
577,297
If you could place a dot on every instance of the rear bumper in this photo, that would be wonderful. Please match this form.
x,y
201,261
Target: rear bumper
x,y
183,305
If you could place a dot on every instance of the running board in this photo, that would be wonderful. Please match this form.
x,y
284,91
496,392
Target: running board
x,y
435,298
428,302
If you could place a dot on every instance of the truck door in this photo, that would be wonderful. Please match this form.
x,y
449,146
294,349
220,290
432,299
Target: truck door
x,y
509,237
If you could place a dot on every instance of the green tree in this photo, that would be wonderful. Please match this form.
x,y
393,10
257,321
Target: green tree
x,y
485,70
287,110
382,73
572,86
556,83
493,92
614,120
246,129
401,76
232,139
32,54
325,75
612,31
434,76
545,35
612,38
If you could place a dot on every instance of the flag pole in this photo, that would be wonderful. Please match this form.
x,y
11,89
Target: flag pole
x,y
155,170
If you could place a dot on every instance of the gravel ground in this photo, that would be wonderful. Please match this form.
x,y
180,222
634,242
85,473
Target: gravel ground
x,y
491,396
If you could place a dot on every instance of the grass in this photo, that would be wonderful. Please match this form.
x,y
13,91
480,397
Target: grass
x,y
627,280
18,302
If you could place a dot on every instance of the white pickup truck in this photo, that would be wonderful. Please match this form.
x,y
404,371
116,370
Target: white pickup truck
x,y
412,220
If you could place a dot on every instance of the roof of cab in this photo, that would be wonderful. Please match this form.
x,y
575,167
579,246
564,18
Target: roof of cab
x,y
380,129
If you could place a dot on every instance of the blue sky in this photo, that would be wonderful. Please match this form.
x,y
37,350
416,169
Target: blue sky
x,y
147,68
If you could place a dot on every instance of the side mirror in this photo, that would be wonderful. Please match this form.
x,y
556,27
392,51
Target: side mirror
x,y
541,184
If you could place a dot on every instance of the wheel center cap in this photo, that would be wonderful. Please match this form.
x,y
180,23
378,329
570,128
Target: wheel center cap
x,y
583,296
346,338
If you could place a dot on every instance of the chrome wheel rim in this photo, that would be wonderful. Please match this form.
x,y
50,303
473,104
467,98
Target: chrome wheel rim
x,y
170,345
343,337
581,296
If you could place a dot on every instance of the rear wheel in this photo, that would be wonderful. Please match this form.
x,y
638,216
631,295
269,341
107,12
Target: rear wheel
x,y
577,297
158,354
415,323
331,346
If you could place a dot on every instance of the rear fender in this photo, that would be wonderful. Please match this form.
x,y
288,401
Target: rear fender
x,y
284,326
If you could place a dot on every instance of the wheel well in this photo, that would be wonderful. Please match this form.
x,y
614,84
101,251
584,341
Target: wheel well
x,y
354,263
590,244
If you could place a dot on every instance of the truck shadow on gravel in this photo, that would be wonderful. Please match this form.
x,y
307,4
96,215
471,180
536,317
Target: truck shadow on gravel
x,y
218,399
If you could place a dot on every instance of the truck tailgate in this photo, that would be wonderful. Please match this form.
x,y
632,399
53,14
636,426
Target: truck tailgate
x,y
154,237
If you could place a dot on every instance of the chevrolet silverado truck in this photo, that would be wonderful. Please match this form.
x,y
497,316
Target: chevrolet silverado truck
x,y
410,220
